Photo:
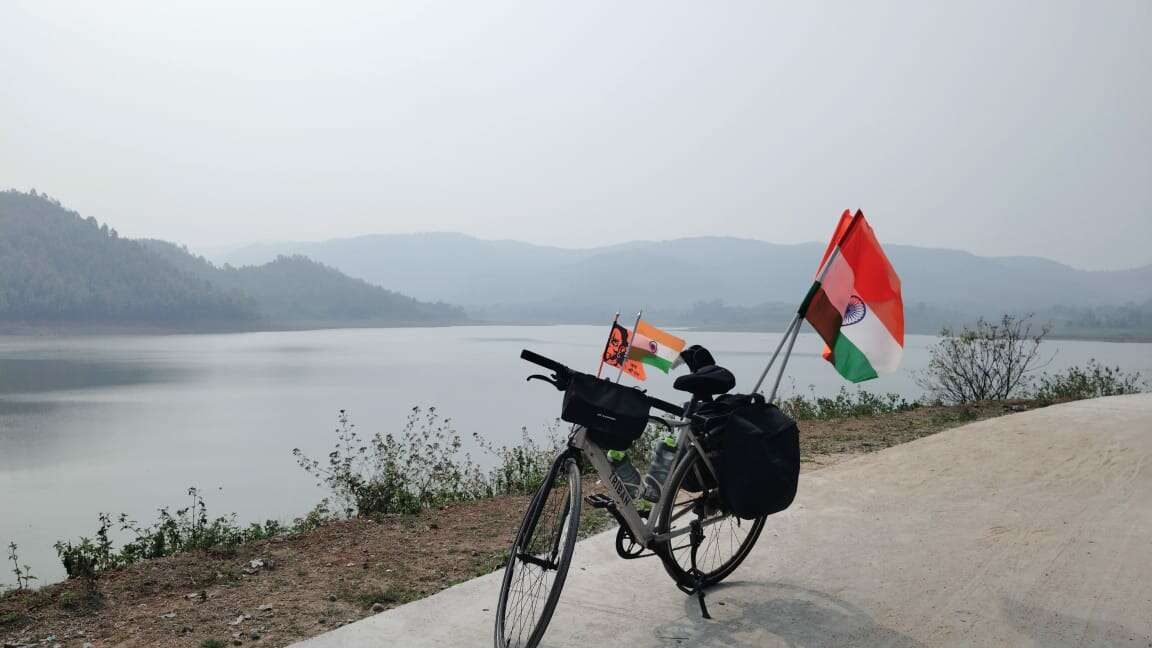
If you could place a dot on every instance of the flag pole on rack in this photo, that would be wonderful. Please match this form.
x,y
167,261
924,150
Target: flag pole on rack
x,y
798,319
784,338
628,348
607,344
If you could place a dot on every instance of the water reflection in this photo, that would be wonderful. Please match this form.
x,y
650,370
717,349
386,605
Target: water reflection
x,y
47,374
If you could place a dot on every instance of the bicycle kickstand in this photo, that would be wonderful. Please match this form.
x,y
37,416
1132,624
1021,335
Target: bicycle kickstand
x,y
697,536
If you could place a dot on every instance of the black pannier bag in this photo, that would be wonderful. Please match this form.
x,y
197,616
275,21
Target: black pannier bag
x,y
759,466
615,415
708,427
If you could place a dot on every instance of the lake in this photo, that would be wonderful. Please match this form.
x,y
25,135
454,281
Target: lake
x,y
127,423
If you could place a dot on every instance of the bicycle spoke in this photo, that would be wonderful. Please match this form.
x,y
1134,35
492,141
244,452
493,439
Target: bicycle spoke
x,y
726,539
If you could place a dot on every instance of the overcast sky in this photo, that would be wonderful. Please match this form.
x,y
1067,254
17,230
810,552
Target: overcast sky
x,y
1000,128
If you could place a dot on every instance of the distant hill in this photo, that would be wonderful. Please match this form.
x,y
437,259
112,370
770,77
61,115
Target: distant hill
x,y
57,267
708,281
296,289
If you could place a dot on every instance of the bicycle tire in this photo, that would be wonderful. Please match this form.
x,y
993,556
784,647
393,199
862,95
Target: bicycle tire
x,y
704,505
520,591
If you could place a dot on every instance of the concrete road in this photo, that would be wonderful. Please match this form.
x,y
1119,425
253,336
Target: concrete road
x,y
1033,529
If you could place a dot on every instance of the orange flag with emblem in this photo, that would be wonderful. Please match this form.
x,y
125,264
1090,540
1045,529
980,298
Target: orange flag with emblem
x,y
616,353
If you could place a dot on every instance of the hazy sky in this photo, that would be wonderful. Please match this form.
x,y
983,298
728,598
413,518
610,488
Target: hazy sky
x,y
996,127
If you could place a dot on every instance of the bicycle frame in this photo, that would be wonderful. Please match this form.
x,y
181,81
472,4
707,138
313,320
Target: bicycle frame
x,y
643,532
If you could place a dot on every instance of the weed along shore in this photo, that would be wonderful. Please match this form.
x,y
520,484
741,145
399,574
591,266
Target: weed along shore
x,y
281,584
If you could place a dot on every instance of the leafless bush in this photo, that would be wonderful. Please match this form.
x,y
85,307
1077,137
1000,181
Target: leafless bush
x,y
985,361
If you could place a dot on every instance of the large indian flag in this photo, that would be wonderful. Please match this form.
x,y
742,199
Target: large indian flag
x,y
654,347
855,304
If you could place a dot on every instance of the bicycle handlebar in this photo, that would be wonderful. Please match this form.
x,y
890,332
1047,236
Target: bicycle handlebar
x,y
547,363
562,372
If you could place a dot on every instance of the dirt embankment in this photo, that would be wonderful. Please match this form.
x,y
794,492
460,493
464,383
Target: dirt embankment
x,y
276,592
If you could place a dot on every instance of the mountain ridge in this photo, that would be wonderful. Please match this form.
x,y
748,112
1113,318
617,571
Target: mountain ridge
x,y
740,271
59,269
241,253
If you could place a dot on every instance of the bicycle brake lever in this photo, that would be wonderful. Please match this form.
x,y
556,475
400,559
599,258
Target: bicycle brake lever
x,y
545,379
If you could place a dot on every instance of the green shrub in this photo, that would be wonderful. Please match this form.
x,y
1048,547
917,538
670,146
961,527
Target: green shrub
x,y
984,361
387,473
23,575
188,529
319,516
844,404
423,466
212,643
1090,381
519,469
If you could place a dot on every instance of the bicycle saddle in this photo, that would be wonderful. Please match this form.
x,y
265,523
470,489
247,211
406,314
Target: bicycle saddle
x,y
707,381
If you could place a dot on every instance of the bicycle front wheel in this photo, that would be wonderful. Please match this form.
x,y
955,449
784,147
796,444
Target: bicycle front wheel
x,y
539,559
727,539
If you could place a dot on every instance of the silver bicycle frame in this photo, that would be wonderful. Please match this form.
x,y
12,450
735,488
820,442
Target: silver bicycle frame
x,y
643,532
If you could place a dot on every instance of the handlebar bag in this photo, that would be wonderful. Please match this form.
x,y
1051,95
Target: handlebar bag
x,y
759,465
615,415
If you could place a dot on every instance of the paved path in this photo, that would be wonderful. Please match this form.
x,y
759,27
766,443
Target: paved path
x,y
1033,529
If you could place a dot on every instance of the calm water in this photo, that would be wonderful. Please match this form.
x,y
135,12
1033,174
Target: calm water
x,y
127,423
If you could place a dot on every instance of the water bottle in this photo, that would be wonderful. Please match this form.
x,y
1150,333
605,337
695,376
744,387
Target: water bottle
x,y
623,469
662,456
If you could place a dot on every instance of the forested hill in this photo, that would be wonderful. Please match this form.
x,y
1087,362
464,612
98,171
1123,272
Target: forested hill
x,y
57,267
298,289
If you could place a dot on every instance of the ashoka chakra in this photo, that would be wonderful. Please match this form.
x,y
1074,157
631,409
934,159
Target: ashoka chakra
x,y
855,311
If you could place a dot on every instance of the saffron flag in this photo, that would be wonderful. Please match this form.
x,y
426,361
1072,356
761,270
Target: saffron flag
x,y
855,303
616,350
655,347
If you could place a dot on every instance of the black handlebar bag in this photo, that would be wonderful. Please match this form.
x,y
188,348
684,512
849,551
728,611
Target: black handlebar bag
x,y
760,465
615,415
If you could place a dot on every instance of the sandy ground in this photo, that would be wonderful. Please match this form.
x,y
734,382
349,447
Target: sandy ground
x,y
1027,530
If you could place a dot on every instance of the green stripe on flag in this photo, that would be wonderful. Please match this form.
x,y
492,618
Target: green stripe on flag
x,y
850,361
657,361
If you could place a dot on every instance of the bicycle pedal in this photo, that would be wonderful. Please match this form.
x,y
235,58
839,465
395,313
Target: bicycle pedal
x,y
599,500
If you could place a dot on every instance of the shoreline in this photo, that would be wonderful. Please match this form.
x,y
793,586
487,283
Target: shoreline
x,y
34,330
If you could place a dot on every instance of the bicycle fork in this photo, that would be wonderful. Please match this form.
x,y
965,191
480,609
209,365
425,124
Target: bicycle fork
x,y
545,487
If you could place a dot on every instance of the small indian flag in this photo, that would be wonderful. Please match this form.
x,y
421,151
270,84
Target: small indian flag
x,y
855,305
654,347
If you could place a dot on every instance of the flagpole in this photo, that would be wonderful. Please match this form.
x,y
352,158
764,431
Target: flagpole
x,y
784,362
800,313
629,347
788,331
610,332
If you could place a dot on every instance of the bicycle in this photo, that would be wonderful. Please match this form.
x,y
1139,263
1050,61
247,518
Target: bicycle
x,y
686,527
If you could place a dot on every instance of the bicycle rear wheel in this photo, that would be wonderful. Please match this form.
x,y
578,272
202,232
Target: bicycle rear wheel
x,y
539,559
727,539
